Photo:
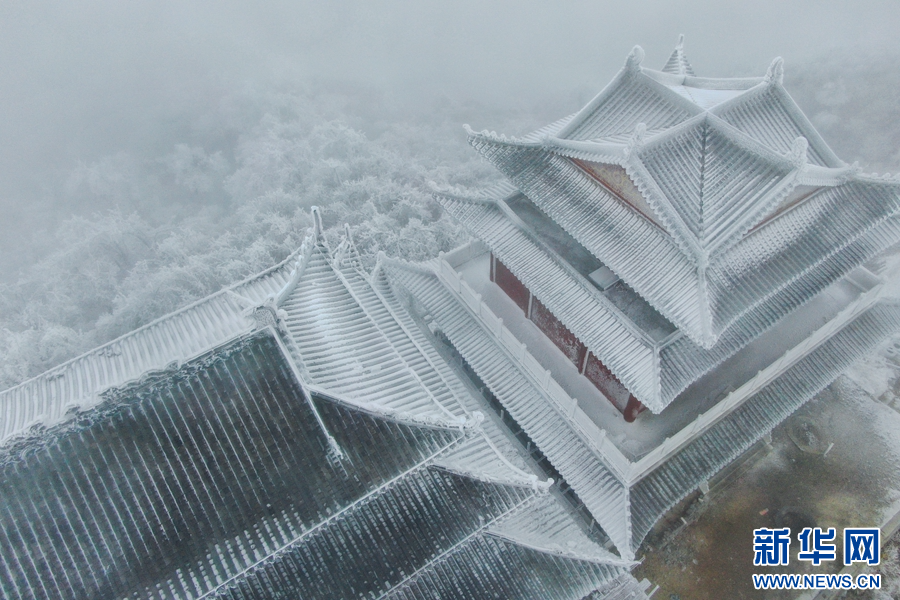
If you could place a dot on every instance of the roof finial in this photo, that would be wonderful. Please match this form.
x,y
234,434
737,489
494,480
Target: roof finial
x,y
678,63
635,58
775,74
318,229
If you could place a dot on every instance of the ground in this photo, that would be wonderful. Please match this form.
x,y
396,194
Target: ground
x,y
834,463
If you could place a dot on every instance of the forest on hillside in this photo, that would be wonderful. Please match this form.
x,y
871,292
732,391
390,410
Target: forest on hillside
x,y
117,242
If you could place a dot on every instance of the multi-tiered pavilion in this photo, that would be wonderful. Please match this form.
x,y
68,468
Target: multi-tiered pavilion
x,y
666,275
682,244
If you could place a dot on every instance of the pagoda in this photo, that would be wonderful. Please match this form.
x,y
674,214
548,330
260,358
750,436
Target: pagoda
x,y
662,278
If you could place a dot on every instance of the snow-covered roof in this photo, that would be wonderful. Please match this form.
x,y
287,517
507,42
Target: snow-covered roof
x,y
627,496
568,450
317,445
653,364
681,185
687,231
77,385
653,495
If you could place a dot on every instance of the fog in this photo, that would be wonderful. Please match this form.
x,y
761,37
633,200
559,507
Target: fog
x,y
197,135
85,79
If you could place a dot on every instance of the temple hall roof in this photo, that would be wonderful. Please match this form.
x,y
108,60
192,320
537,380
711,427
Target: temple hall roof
x,y
296,434
669,179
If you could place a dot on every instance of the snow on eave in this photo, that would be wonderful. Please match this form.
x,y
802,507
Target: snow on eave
x,y
807,128
816,175
547,526
608,152
576,277
230,290
630,69
512,475
373,408
885,179
399,263
607,559
602,300
490,194
497,138
773,82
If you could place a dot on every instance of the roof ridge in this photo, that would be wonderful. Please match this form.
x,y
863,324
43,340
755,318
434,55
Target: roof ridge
x,y
229,290
703,159
437,559
356,504
378,410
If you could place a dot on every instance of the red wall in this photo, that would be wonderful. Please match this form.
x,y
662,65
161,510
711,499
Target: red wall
x,y
598,374
514,288
565,340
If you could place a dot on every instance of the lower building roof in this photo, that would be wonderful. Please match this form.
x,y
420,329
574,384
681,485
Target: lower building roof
x,y
250,470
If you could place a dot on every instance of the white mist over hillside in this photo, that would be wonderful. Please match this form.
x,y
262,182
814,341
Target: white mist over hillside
x,y
156,151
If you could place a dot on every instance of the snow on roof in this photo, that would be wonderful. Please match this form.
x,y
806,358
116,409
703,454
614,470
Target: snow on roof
x,y
396,433
683,472
78,383
679,464
655,368
716,206
568,450
486,565
678,63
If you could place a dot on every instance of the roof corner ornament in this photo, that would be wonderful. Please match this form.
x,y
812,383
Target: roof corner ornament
x,y
775,74
472,425
797,155
269,315
637,139
318,228
634,60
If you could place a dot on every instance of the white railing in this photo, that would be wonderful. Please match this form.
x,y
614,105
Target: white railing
x,y
566,405
464,253
762,378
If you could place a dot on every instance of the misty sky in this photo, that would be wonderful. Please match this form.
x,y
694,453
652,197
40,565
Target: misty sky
x,y
80,80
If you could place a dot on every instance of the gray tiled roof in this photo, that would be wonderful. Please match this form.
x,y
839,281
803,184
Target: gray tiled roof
x,y
598,488
251,469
